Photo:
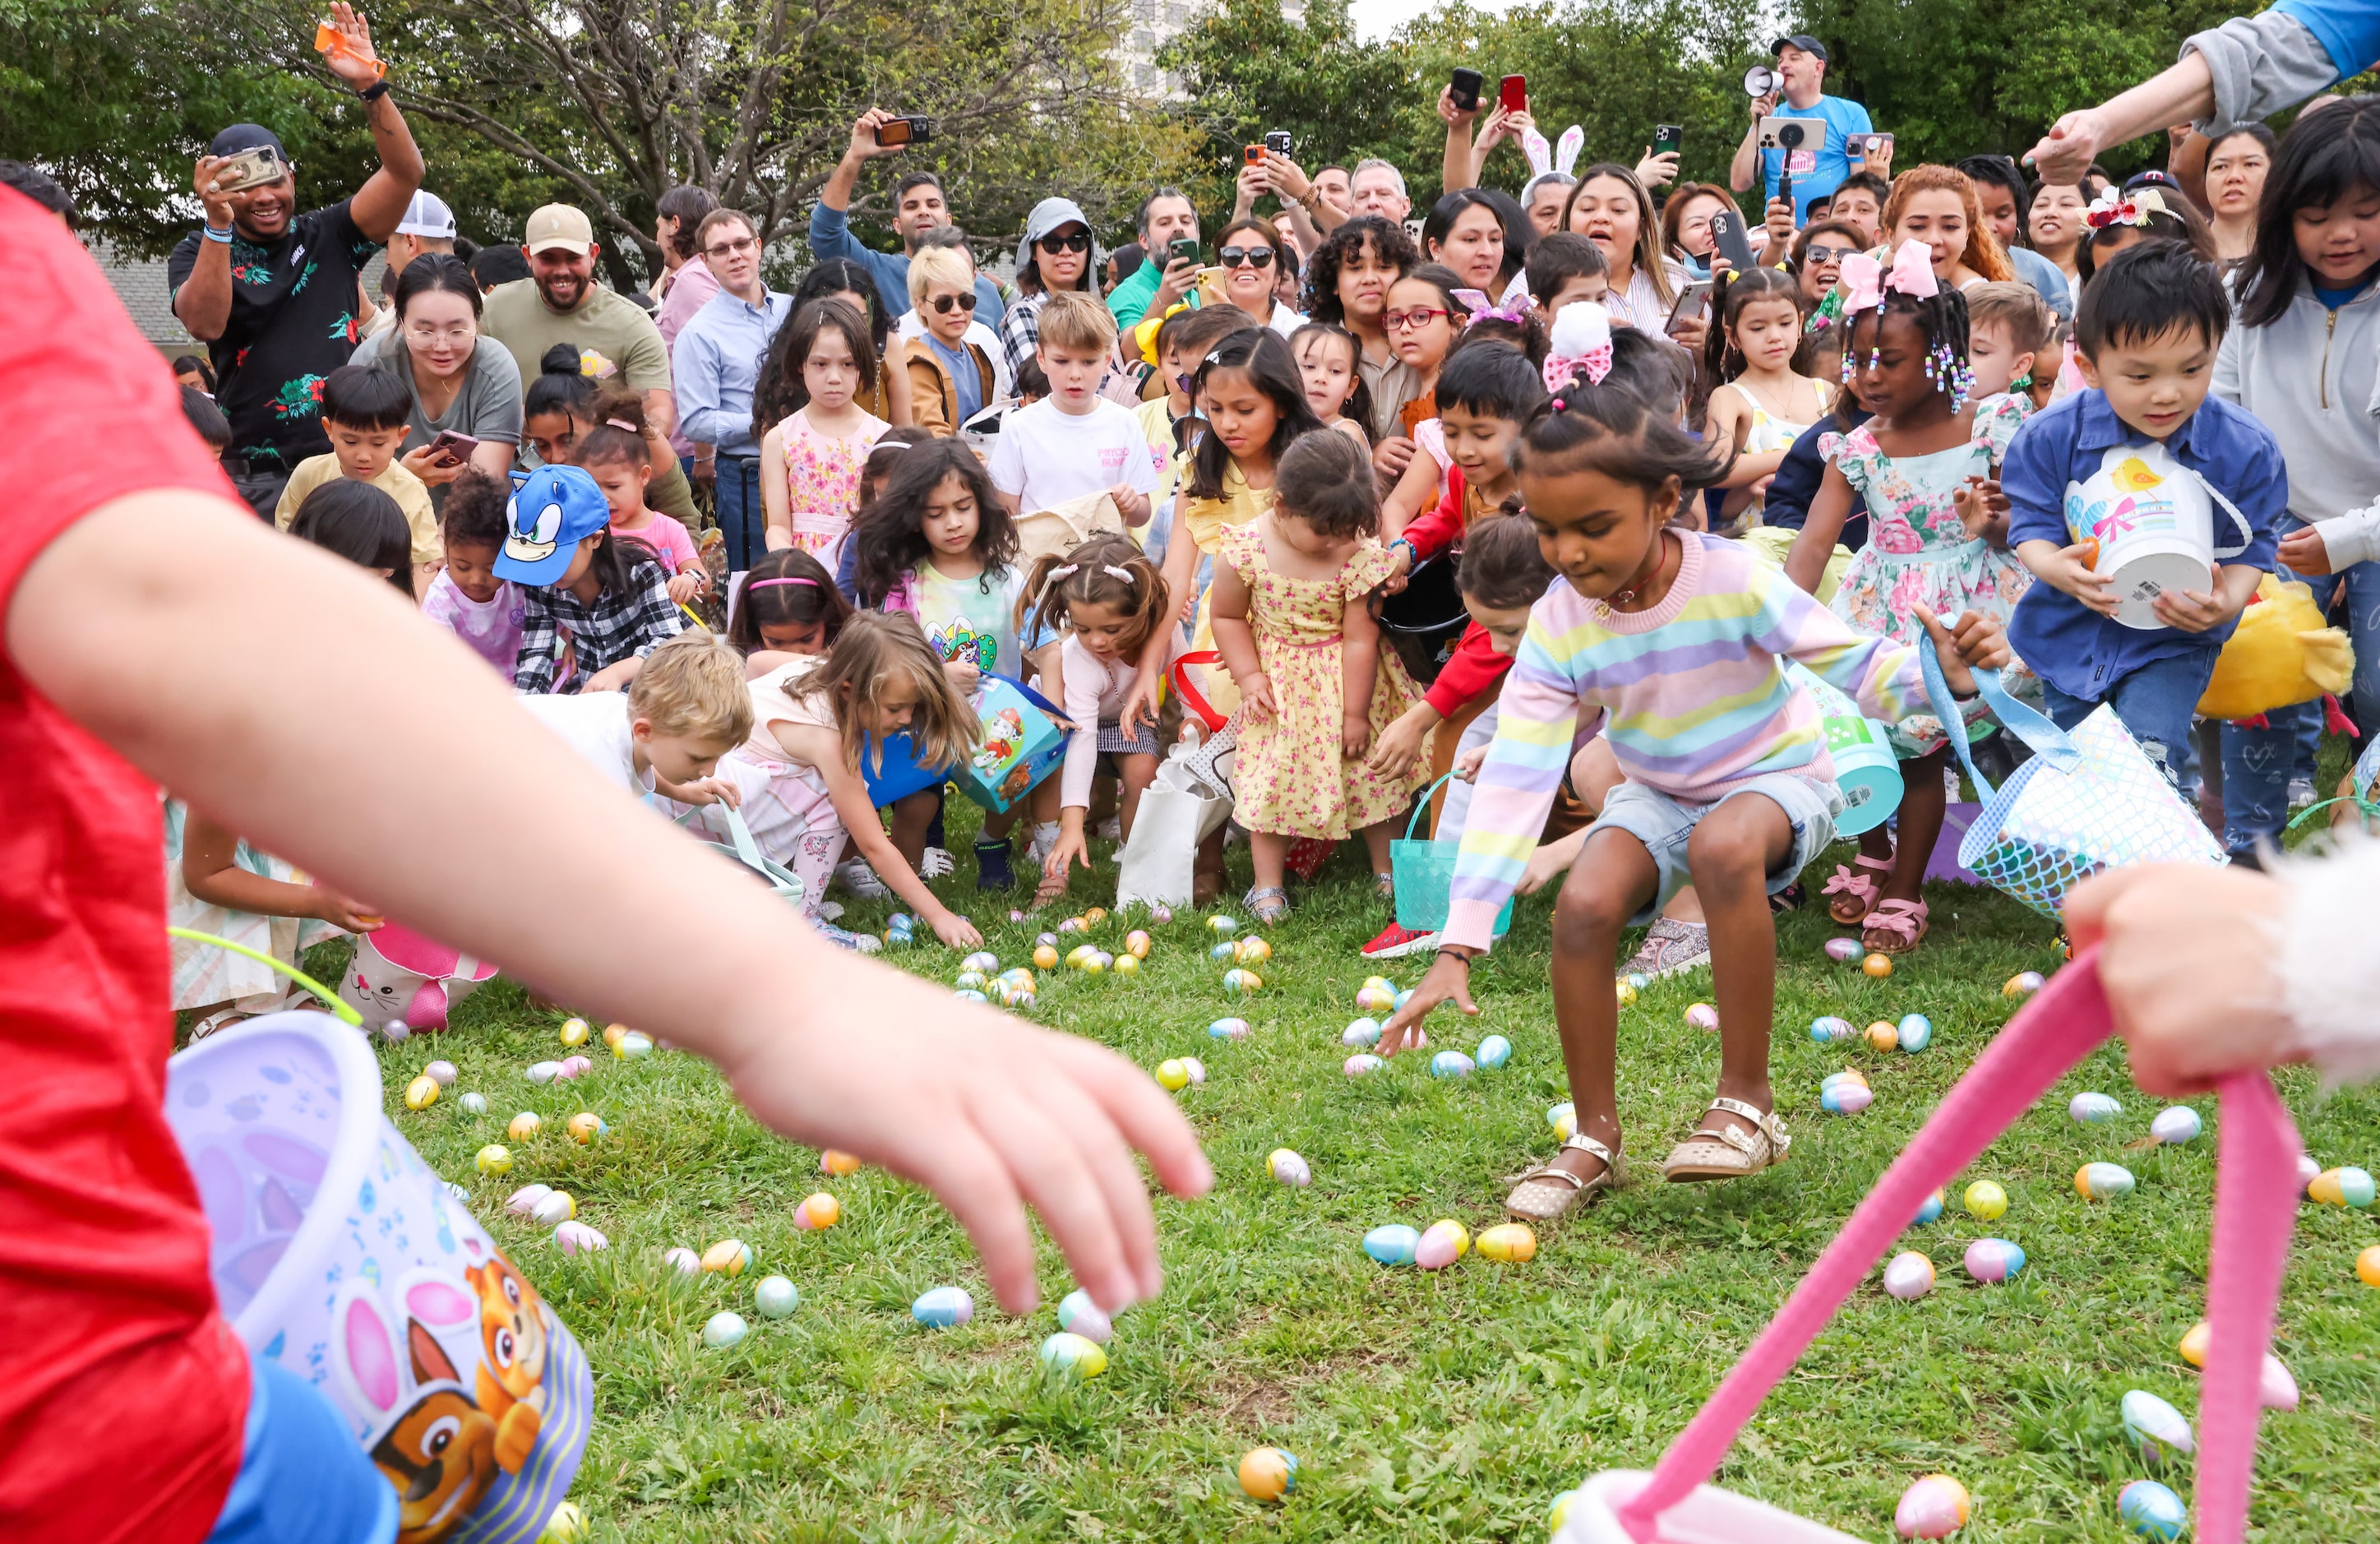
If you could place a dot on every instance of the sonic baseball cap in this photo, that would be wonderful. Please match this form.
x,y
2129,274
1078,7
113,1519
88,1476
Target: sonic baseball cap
x,y
429,217
557,226
1803,42
552,510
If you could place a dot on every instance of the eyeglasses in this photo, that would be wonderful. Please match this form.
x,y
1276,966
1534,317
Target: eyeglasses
x,y
734,249
1824,255
422,331
1405,321
1080,241
1251,257
942,303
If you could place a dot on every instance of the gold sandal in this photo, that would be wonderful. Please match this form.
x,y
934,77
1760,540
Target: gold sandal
x,y
1729,1152
1549,1193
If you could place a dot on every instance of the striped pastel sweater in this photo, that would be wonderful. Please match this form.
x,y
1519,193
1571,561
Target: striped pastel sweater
x,y
1691,693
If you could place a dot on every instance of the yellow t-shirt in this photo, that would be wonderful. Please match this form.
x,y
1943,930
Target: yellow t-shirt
x,y
412,496
1204,521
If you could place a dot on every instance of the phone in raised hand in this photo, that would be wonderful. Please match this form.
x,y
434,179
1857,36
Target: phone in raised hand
x,y
1727,236
1463,90
1513,92
1667,138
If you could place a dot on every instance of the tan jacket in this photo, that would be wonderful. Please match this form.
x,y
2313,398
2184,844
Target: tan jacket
x,y
932,395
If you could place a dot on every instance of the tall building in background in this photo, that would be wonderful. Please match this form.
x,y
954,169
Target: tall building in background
x,y
1149,24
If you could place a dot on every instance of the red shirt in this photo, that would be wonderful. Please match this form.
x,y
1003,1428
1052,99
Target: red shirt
x,y
123,1391
1475,665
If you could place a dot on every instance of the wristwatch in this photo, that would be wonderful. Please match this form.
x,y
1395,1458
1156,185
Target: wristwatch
x,y
372,93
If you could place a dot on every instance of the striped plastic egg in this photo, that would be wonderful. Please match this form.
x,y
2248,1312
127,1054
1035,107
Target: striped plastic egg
x,y
1701,1015
1245,983
683,1260
524,1125
942,1308
725,1329
1069,1352
554,1210
441,1073
1452,1063
1223,951
1493,1052
523,1201
2341,1187
578,1238
2159,1430
421,1093
837,1163
575,1032
1078,1315
729,1257
1842,951
1289,1168
1137,943
1934,1507
1826,1029
1986,1201
1252,951
775,1296
1881,1036
2151,1511
585,1126
1846,1099
2094,1108
1393,1244
2103,1181
472,1103
1991,1261
1917,1032
2023,984
1442,1243
1227,1030
1267,1474
1360,1063
1223,926
820,1210
1931,1211
2176,1124
1172,1076
1909,1276
1361,1031
1511,1243
493,1159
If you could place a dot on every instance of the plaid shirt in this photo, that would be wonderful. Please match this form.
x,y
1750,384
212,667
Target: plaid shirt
x,y
563,642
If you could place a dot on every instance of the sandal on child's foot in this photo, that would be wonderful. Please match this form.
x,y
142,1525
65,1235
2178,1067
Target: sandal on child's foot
x,y
1268,906
1551,1193
1731,1151
1895,927
1855,893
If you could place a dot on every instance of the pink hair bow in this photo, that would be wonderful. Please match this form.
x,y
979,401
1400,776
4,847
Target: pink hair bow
x,y
1913,271
1863,279
1581,347
1514,307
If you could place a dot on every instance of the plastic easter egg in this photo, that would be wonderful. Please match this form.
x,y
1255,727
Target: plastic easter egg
x,y
839,1164
2023,984
1078,1315
1363,1062
579,1066
775,1297
1638,980
524,1125
493,1159
1835,1079
1248,984
1253,950
820,1211
1137,943
1931,1211
1380,982
969,980
1361,1031
1881,1036
2094,1108
1877,965
1992,1260
726,1327
901,919
1071,925
1046,941
683,1260
1493,1052
1221,926
421,1093
1393,1244
632,1044
1846,1099
575,1032
397,1030
1069,1352
2158,1429
1223,951
1289,1168
2103,1181
1376,1000
2367,1266
1442,1243
1625,993
2176,1124
611,1033
942,1308
578,1238
543,1072
1563,1118
461,1193
523,1201
554,1210
1095,916
729,1257
2308,1171
1094,963
472,1103
1701,1015
983,960
567,1526
1225,1029
1826,1029
968,995
1917,1032
1161,915
1508,1242
2341,1187
2151,1511
1014,915
1452,1063
441,1073
1909,1276
1196,1068
1126,965
1267,1474
1842,951
1986,1201
1079,953
1558,1512
1934,1507
1046,957
1172,1076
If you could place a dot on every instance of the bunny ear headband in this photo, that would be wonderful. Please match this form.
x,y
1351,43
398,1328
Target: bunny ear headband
x,y
1581,348
1543,158
1514,307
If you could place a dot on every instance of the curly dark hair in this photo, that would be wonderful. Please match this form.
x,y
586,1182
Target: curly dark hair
x,y
1387,239
890,532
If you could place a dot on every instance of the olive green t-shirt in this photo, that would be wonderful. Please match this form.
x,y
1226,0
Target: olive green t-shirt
x,y
616,341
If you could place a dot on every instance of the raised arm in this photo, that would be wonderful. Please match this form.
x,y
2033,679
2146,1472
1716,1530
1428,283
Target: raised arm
x,y
380,204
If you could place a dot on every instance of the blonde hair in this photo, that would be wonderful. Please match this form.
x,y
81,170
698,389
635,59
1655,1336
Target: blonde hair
x,y
873,650
1982,253
1072,319
693,684
2016,306
943,264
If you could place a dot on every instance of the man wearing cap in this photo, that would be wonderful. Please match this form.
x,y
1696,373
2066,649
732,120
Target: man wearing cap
x,y
272,292
716,364
561,302
919,206
1818,169
427,226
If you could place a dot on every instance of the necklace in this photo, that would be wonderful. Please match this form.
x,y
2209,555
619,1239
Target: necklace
x,y
1611,603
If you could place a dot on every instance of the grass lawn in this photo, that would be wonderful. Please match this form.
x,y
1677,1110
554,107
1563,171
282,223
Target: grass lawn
x,y
1451,1406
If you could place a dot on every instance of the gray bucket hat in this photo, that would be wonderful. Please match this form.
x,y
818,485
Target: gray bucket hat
x,y
1046,216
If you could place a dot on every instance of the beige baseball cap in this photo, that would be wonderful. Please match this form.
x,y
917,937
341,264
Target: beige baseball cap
x,y
557,226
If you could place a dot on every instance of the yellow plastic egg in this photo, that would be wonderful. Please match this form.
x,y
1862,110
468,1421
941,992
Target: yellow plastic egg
x,y
1877,965
1092,964
837,1163
1626,993
729,1257
494,1159
1046,957
524,1125
1126,964
575,1032
585,1126
1513,1243
1883,1036
1172,1077
611,1033
820,1211
567,1526
421,1093
1986,1201
1252,951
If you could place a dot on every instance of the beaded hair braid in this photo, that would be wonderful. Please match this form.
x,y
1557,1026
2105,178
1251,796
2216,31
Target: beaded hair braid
x,y
1942,317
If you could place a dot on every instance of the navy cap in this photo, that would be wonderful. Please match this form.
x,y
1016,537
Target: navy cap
x,y
1801,40
552,510
246,136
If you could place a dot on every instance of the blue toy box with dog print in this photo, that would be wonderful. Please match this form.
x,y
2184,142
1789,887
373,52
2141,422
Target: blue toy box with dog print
x,y
1021,744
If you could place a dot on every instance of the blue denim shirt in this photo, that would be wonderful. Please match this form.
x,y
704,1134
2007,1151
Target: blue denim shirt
x,y
2065,642
1797,479
716,364
830,238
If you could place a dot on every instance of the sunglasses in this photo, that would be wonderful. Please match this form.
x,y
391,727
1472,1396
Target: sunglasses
x,y
1823,255
942,303
1405,321
736,247
1251,257
1080,241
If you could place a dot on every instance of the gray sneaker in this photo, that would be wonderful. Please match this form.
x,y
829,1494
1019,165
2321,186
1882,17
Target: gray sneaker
x,y
1668,949
2301,792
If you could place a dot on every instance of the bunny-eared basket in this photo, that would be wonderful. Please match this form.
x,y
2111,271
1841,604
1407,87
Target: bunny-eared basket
x,y
2255,1206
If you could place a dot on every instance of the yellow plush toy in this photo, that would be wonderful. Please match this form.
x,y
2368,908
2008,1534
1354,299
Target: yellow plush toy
x,y
2281,654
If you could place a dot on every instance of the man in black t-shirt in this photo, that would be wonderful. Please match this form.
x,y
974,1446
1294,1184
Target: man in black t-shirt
x,y
274,293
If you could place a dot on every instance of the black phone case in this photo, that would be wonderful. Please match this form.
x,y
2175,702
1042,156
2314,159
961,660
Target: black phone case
x,y
1464,87
1727,233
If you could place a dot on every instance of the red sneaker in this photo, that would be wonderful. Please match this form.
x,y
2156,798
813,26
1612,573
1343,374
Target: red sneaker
x,y
1396,940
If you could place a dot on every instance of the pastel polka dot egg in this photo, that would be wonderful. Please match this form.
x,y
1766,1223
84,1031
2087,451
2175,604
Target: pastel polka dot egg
x,y
2341,1187
1986,1201
1289,1168
1701,1015
820,1211
942,1308
1267,1474
2093,1108
1395,1244
729,1257
1493,1052
1078,1315
2158,1429
1934,1507
1452,1063
1909,1276
1508,1242
1361,1031
1993,1260
775,1297
1073,1356
2103,1181
2176,1124
2151,1511
1827,1029
1441,1244
725,1329
1227,1030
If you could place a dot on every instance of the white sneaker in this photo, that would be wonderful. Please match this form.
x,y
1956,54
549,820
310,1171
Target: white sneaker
x,y
1111,829
938,863
829,911
856,876
2301,792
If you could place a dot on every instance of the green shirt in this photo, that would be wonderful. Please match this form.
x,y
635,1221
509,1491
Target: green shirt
x,y
624,343
1131,299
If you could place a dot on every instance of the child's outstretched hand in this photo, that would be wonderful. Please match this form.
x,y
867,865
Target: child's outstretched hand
x,y
955,932
1983,508
1072,847
1449,978
1977,641
1400,744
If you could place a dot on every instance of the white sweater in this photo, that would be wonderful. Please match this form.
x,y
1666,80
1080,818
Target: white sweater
x,y
2313,379
2329,969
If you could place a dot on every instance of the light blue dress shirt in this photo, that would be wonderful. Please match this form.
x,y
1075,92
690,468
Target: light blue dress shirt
x,y
716,364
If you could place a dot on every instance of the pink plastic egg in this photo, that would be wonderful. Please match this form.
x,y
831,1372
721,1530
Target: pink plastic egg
x,y
1842,951
1934,1507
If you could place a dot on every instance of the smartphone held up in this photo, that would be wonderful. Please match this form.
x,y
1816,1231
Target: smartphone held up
x,y
904,131
1463,90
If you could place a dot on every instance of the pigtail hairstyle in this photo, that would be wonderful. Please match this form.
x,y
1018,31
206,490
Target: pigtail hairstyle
x,y
1325,482
1263,355
780,393
891,531
1107,570
617,434
875,649
787,588
1503,565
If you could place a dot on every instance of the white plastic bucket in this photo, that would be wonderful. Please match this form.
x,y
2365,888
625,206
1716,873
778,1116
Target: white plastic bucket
x,y
1707,1515
1866,770
338,1254
2155,522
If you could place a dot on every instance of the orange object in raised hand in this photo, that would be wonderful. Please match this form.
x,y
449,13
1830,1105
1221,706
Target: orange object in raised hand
x,y
330,40
2090,545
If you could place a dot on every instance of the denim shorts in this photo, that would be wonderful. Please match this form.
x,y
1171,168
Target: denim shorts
x,y
303,1477
1664,824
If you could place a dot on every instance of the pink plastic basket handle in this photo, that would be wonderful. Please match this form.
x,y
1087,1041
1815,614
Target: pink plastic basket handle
x,y
2255,1206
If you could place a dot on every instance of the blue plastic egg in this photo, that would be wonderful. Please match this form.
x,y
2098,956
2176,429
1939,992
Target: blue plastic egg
x,y
1846,1099
2093,1108
967,994
2151,1511
1494,1051
775,1296
1227,1030
724,1330
1929,1212
1223,953
2103,1181
1450,1063
1405,997
1917,1032
1638,980
1393,1244
1826,1029
942,1308
1069,1353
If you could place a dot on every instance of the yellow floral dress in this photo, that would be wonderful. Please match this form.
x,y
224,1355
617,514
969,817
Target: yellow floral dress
x,y
1205,521
1290,778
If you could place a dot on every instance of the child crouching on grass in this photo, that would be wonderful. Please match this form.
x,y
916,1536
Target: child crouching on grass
x,y
1672,643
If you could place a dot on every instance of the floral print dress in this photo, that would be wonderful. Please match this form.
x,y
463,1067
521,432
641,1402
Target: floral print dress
x,y
1918,553
1290,778
822,477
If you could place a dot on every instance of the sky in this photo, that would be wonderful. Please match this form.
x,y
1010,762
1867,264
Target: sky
x,y
1375,19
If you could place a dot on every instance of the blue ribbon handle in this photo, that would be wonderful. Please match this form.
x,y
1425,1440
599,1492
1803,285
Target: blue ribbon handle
x,y
2049,742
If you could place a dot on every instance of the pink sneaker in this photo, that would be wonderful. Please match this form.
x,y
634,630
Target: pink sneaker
x,y
1396,942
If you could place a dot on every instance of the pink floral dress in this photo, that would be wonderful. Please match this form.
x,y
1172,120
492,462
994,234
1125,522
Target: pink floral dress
x,y
1918,553
822,478
1290,778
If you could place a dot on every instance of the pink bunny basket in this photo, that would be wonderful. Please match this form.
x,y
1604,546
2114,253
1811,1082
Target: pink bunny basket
x,y
2255,1206
400,977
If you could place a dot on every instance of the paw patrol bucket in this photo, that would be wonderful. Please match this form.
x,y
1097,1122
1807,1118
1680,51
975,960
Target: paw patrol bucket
x,y
1866,769
2154,519
340,1256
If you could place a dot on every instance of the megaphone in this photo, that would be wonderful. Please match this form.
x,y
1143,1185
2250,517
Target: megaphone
x,y
1760,80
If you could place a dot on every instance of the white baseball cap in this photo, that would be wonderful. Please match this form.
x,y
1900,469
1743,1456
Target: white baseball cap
x,y
428,215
